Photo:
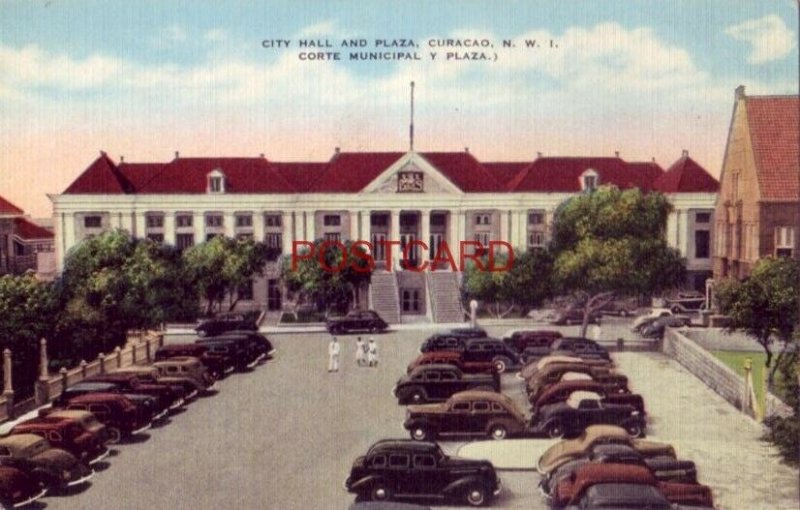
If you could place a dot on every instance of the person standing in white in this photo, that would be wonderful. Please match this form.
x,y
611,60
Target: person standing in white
x,y
361,353
372,353
333,355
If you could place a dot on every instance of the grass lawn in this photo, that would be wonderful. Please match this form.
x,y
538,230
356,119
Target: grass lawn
x,y
735,360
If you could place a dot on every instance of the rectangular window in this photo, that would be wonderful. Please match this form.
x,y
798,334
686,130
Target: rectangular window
x,y
273,294
92,221
215,184
244,220
244,235
272,220
483,219
589,182
183,220
214,220
483,238
245,291
784,241
701,244
536,240
154,220
379,220
184,241
438,220
158,238
332,220
535,218
274,241
211,236
702,217
332,236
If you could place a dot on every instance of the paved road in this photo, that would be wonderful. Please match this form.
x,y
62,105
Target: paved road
x,y
284,436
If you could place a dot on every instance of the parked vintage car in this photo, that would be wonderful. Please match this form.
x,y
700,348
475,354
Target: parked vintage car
x,y
571,489
225,322
148,374
625,495
649,316
121,416
468,332
258,347
530,369
443,342
18,488
655,329
91,425
621,306
686,302
436,383
552,374
451,358
575,316
238,349
664,468
403,468
493,350
167,395
217,365
187,366
579,347
570,449
52,468
356,320
522,339
68,434
157,407
482,413
582,409
560,392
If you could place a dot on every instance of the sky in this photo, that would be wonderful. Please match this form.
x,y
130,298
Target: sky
x,y
143,79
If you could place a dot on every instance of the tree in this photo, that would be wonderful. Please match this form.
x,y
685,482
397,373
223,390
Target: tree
x,y
221,266
523,286
610,242
332,282
28,310
765,306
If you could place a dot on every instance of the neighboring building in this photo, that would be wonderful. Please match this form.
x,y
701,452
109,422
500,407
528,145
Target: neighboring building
x,y
432,196
758,209
22,241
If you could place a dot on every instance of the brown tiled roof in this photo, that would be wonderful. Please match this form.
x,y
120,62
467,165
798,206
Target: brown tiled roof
x,y
562,174
27,230
7,207
774,123
686,176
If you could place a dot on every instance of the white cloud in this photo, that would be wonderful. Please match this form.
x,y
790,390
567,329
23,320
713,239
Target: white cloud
x,y
215,35
170,36
321,29
769,36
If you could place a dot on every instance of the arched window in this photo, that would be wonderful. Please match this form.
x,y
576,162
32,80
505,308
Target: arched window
x,y
590,180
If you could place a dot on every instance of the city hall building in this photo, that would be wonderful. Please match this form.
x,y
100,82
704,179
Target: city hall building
x,y
372,196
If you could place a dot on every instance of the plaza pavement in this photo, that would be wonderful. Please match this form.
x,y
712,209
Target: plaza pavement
x,y
285,435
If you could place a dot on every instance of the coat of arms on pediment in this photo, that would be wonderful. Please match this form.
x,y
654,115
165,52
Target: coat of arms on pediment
x,y
408,181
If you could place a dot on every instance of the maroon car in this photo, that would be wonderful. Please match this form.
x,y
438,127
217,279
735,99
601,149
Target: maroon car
x,y
68,434
118,413
571,490
168,395
610,394
452,358
18,488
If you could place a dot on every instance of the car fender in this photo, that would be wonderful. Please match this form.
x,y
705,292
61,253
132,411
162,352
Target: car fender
x,y
421,422
364,483
513,427
455,489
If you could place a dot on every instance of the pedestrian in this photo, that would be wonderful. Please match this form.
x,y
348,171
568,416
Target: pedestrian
x,y
372,353
361,352
333,355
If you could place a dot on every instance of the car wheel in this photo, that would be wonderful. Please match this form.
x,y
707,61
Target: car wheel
x,y
380,492
555,430
498,431
373,329
634,429
675,309
500,365
623,313
114,435
417,396
421,433
476,495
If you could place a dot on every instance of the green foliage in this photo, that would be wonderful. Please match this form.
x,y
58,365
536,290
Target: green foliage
x,y
612,242
28,311
764,305
328,290
784,432
525,285
220,266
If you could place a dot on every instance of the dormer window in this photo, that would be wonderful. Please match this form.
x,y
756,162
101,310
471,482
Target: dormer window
x,y
589,180
216,181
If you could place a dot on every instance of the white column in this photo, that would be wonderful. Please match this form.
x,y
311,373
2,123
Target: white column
x,y
140,225
298,225
169,228
425,233
683,233
394,235
354,230
672,229
505,230
549,221
452,232
519,229
258,225
309,230
199,224
287,230
228,223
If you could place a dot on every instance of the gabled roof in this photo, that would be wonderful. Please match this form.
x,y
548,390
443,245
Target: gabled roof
x,y
101,177
562,174
503,172
350,172
301,176
463,170
686,176
7,207
774,123
28,230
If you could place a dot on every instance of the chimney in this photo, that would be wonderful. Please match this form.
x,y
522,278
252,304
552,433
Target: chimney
x,y
102,152
466,149
121,158
262,155
337,150
685,153
653,159
177,154
616,154
538,155
740,92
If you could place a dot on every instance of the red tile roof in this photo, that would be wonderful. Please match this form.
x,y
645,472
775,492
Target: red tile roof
x,y
562,174
504,172
7,207
686,176
300,175
775,134
102,177
28,230
350,172
463,170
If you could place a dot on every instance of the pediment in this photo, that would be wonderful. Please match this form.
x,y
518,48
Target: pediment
x,y
411,175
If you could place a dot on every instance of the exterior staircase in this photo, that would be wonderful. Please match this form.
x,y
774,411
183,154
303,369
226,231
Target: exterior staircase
x,y
384,296
445,296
